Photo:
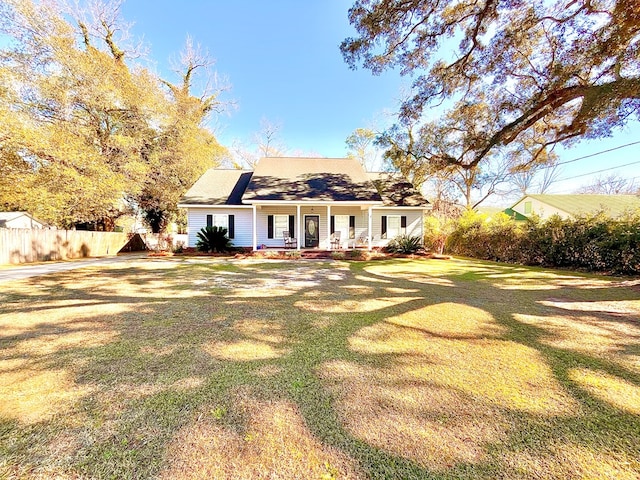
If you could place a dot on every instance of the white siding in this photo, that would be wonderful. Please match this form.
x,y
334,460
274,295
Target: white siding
x,y
23,221
539,208
414,224
197,219
262,224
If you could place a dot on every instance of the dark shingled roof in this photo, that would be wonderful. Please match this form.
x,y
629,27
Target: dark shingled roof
x,y
311,179
300,180
218,187
396,190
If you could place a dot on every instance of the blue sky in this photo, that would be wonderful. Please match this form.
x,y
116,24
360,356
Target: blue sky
x,y
282,61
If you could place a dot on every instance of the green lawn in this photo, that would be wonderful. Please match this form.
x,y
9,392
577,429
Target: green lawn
x,y
211,368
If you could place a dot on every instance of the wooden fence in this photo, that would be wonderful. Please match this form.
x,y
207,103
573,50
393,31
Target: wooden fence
x,y
22,245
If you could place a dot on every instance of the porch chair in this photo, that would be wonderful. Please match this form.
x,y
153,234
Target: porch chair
x,y
335,240
362,240
289,241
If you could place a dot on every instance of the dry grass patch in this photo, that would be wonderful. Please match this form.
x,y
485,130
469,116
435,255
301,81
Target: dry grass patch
x,y
33,396
273,442
441,396
612,340
611,389
397,411
347,306
242,351
573,461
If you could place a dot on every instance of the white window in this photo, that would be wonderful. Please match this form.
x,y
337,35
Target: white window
x,y
218,221
342,225
527,207
393,226
281,224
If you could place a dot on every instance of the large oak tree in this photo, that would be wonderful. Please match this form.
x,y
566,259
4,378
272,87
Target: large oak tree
x,y
85,130
522,77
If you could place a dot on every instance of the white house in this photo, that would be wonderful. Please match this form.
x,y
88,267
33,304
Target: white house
x,y
314,200
19,220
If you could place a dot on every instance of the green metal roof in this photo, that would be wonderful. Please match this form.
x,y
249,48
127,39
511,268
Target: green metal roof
x,y
580,204
518,217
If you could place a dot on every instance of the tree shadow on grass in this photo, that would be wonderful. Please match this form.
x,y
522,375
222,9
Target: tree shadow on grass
x,y
347,354
588,423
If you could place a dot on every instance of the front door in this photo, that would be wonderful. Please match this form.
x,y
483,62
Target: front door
x,y
311,231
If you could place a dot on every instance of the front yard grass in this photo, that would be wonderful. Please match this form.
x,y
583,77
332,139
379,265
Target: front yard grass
x,y
212,368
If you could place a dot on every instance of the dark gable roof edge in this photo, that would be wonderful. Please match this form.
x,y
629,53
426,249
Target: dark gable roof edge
x,y
235,198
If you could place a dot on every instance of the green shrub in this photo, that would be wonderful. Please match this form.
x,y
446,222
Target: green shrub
x,y
179,247
466,239
404,244
594,242
338,255
213,239
358,254
436,231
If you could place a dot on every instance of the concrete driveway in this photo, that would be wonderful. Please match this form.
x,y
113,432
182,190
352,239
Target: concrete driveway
x,y
27,271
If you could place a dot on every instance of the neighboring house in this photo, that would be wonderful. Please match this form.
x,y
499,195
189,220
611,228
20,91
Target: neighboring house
x,y
569,206
19,220
312,198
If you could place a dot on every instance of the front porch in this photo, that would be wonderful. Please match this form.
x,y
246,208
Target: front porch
x,y
314,227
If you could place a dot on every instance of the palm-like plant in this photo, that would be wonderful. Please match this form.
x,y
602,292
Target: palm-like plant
x,y
404,244
213,239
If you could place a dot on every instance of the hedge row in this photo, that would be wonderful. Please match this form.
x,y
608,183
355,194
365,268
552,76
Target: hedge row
x,y
594,243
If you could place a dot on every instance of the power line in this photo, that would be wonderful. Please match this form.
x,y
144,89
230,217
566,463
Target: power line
x,y
597,171
536,186
595,154
589,156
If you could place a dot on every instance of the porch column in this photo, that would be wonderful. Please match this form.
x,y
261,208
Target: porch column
x,y
254,230
328,227
370,227
300,226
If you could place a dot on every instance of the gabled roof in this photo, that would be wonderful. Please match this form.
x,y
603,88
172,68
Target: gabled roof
x,y
218,187
580,204
396,190
310,179
302,180
10,216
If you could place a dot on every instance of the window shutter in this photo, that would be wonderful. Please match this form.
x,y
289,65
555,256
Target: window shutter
x,y
333,225
270,226
403,224
384,226
292,226
209,220
232,226
352,226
